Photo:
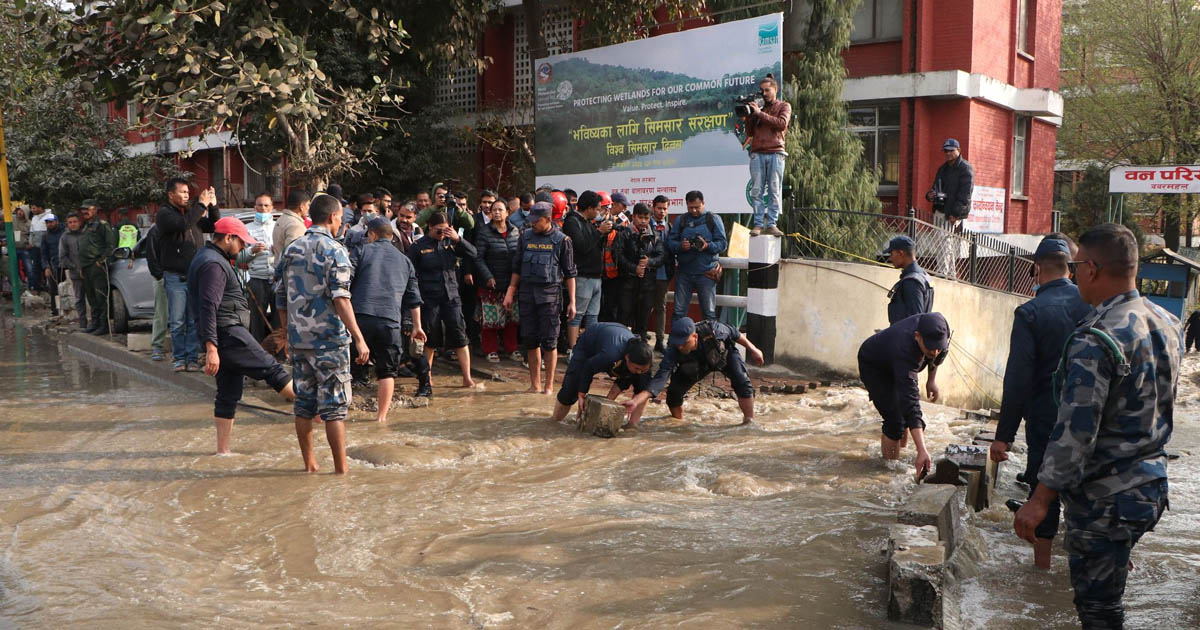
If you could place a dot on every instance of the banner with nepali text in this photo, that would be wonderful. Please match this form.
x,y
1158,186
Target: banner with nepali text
x,y
656,116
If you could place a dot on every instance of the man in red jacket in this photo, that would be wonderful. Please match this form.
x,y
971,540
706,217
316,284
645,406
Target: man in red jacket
x,y
767,128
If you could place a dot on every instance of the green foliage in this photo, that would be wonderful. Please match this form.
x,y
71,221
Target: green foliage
x,y
61,154
825,163
218,65
28,68
1088,206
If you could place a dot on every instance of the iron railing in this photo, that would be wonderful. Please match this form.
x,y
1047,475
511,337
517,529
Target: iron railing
x,y
979,259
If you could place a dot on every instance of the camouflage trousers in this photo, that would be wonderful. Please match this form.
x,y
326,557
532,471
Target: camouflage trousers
x,y
321,381
1100,536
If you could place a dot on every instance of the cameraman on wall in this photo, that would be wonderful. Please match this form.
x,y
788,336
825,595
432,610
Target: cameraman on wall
x,y
951,198
766,125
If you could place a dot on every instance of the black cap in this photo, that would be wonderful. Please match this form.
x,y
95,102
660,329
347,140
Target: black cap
x,y
935,332
541,209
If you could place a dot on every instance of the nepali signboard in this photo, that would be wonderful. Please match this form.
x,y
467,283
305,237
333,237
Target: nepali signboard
x,y
987,210
656,116
1159,180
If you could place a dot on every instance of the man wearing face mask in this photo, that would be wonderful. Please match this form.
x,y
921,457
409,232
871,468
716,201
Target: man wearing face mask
x,y
888,364
258,260
222,313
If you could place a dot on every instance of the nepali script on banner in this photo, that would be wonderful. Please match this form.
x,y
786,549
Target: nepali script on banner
x,y
987,210
1159,180
655,116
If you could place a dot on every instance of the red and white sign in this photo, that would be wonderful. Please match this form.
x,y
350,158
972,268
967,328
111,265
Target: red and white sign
x,y
1158,180
987,210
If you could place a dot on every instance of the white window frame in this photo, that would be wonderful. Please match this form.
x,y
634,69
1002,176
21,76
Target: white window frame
x,y
1020,164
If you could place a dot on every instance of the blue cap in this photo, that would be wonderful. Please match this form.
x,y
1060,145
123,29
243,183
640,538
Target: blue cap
x,y
900,242
541,209
935,332
681,329
50,217
1050,246
620,198
378,222
950,143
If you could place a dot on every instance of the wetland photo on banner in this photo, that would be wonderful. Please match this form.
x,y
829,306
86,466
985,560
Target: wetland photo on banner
x,y
656,116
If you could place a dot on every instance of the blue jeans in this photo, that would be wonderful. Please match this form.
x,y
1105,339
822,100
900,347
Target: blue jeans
x,y
587,301
31,262
181,316
766,168
702,286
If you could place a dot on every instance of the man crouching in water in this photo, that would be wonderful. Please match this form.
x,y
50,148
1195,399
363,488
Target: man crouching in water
x,y
888,363
607,348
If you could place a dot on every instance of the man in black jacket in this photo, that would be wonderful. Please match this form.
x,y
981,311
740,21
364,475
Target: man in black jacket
x,y
435,257
639,254
181,228
951,198
587,240
160,325
230,351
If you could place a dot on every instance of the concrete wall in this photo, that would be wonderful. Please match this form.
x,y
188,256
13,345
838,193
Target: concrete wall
x,y
827,309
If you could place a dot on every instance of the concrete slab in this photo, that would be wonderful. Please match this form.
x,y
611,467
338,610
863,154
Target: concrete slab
x,y
602,417
934,505
138,342
916,564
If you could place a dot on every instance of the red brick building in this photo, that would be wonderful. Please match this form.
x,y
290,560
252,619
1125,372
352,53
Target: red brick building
x,y
983,71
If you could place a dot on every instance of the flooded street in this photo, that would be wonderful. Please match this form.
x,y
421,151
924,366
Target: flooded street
x,y
477,513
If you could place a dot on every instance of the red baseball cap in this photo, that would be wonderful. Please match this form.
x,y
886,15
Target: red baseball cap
x,y
230,225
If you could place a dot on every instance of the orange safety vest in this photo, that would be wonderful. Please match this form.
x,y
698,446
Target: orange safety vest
x,y
610,263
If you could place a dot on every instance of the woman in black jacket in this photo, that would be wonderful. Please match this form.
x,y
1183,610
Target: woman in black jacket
x,y
495,244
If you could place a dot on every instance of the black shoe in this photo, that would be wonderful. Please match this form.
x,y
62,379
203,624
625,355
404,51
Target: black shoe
x,y
90,329
404,372
425,390
101,331
1021,477
1013,504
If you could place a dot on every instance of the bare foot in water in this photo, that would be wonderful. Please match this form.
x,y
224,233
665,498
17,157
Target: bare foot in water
x,y
533,390
547,391
311,466
468,384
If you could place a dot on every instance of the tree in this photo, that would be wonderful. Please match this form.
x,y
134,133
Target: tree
x,y
1132,87
60,153
218,66
1088,206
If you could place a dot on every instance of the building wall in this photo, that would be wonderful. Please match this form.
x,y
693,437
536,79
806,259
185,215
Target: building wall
x,y
833,307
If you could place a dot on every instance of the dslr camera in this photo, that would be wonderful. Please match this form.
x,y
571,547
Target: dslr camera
x,y
697,242
742,107
939,200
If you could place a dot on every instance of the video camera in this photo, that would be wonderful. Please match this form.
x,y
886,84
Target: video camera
x,y
742,108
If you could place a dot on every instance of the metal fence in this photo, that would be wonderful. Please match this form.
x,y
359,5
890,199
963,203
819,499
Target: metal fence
x,y
953,253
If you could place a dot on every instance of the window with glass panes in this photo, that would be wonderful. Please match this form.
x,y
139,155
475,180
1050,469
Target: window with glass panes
x,y
878,126
1020,136
876,20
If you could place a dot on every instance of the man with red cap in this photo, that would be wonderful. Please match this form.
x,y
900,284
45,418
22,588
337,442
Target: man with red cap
x,y
222,320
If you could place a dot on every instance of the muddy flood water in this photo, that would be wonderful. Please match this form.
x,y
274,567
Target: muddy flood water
x,y
478,513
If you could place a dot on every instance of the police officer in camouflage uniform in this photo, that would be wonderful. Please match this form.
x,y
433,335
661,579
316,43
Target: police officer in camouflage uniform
x,y
96,246
1106,457
312,295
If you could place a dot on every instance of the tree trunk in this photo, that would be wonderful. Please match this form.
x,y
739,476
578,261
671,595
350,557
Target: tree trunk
x,y
1171,222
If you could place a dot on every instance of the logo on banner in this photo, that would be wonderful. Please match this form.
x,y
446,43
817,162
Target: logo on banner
x,y
544,73
565,89
768,35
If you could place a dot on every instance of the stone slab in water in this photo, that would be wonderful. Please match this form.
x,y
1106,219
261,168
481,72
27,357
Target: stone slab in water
x,y
602,417
916,562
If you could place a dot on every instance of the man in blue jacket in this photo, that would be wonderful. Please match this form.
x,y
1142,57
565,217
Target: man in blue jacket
x,y
384,287
605,348
1039,332
696,240
913,294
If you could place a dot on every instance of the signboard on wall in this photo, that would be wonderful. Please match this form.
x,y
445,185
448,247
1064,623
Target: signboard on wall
x,y
1158,180
656,116
987,210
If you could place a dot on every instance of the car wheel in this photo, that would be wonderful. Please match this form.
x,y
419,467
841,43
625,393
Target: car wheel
x,y
120,313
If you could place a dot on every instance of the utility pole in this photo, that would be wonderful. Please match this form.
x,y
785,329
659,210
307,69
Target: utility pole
x,y
14,276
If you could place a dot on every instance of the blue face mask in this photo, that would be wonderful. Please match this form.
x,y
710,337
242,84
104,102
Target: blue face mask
x,y
262,217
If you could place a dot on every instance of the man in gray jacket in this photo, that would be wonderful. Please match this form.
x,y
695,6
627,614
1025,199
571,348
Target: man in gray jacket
x,y
68,259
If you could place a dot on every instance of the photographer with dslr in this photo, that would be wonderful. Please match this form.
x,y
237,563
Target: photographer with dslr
x,y
951,198
697,239
766,125
639,253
